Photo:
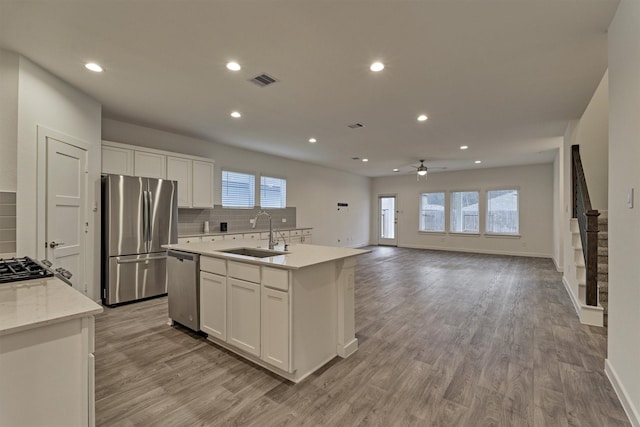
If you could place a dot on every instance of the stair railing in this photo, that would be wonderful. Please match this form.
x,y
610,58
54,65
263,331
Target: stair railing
x,y
588,222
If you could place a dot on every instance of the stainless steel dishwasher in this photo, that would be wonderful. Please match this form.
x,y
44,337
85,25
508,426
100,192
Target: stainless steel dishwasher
x,y
183,287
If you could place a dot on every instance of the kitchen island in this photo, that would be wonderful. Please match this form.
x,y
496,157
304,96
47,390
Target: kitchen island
x,y
290,312
46,354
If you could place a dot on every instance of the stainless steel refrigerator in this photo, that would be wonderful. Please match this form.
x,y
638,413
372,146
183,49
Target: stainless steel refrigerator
x,y
139,215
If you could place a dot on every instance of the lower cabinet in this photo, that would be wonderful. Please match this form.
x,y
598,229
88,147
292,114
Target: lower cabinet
x,y
243,315
275,328
213,305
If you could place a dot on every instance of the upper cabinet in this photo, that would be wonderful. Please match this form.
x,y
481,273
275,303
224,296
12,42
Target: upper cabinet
x,y
117,160
149,165
180,169
202,184
194,175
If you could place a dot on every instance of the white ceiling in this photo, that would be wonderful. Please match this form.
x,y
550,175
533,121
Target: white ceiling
x,y
501,76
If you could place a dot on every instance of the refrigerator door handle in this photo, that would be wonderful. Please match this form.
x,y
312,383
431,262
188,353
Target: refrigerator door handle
x,y
145,220
149,231
134,261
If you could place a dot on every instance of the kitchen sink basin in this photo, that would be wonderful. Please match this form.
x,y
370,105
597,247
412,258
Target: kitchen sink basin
x,y
253,252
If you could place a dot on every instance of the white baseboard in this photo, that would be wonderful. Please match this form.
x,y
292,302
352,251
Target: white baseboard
x,y
574,298
587,314
348,349
477,251
559,268
623,396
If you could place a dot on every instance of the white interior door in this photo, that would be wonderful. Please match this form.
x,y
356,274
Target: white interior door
x,y
387,221
66,208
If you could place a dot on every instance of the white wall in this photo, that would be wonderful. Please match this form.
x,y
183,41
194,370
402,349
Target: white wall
x,y
8,120
558,210
592,136
313,190
44,100
535,183
623,363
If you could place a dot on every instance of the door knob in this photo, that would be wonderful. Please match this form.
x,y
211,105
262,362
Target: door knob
x,y
54,245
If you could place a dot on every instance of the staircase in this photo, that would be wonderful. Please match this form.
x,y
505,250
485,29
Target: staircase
x,y
603,266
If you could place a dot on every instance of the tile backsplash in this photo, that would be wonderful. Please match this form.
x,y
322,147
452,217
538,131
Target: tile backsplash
x,y
7,222
191,221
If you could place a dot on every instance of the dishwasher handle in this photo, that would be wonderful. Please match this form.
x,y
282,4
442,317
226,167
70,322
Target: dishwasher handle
x,y
182,256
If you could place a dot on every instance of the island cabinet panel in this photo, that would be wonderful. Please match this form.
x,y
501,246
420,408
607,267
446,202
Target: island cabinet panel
x,y
243,316
213,305
248,272
275,328
213,265
275,278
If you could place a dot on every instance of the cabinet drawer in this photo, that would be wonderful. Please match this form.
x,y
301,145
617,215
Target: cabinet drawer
x,y
296,233
306,232
252,236
213,265
264,236
248,272
189,239
233,237
275,278
211,238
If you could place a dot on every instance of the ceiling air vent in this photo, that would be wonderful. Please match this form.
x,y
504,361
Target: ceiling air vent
x,y
263,80
356,126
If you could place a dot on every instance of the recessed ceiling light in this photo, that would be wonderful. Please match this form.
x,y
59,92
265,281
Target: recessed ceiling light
x,y
463,147
313,140
93,67
478,161
236,115
377,66
422,117
396,170
365,160
233,66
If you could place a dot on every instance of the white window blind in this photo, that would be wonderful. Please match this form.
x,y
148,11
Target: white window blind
x,y
238,189
273,192
502,212
465,212
432,212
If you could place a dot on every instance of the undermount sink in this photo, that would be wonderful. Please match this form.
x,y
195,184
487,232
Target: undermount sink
x,y
254,252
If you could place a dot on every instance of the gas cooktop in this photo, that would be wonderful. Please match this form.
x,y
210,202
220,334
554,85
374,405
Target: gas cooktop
x,y
16,269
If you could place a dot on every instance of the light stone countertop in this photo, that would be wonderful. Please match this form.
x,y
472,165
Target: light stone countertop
x,y
297,256
33,303
251,230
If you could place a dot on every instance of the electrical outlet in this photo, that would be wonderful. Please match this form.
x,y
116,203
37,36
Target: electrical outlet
x,y
252,221
284,219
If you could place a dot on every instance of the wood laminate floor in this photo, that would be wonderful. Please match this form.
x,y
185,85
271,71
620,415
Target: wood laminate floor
x,y
446,339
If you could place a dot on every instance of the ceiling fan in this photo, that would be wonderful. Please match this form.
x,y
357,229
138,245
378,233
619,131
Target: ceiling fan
x,y
422,170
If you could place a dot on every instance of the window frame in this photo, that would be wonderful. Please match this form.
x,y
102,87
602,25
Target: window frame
x,y
238,171
480,210
260,191
486,212
445,212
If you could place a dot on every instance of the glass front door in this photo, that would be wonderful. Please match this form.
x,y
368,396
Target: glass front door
x,y
388,221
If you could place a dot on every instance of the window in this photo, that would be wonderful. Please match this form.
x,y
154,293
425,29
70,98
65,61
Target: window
x,y
238,189
432,212
465,212
273,192
502,212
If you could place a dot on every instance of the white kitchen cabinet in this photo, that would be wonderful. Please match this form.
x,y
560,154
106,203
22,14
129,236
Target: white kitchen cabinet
x,y
212,238
117,161
243,316
213,305
233,236
179,169
202,184
295,240
149,165
275,328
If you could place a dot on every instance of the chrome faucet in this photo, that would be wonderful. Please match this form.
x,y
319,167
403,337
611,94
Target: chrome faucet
x,y
272,242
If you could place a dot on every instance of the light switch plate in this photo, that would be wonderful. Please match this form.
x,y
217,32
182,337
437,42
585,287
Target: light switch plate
x,y
284,219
